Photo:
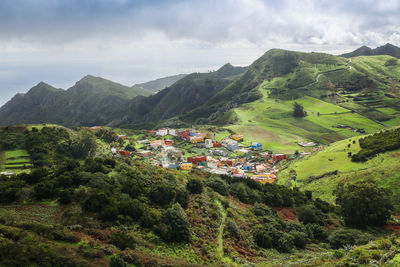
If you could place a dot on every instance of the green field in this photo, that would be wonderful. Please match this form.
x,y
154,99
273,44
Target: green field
x,y
384,169
16,160
270,122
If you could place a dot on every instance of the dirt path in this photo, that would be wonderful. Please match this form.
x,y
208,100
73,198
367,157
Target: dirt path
x,y
220,248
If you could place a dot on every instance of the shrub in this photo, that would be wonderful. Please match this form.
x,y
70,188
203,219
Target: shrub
x,y
309,214
131,207
150,218
262,237
261,210
285,243
299,239
232,227
364,203
162,194
194,186
8,217
342,237
95,202
182,197
117,262
109,213
175,226
123,240
218,185
316,231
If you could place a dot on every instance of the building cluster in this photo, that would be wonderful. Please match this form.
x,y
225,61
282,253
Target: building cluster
x,y
230,156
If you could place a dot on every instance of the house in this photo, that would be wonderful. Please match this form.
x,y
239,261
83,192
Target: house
x,y
156,143
162,132
113,150
276,157
124,153
261,168
230,144
169,142
265,155
217,144
309,144
95,128
186,166
237,137
264,178
197,160
212,163
184,134
256,146
173,166
209,143
219,152
144,153
247,167
172,132
122,136
196,139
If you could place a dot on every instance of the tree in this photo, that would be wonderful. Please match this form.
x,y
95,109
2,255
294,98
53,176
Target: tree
x,y
195,186
175,226
162,194
298,110
364,203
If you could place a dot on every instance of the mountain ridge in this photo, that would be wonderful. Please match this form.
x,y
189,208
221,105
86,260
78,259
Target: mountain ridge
x,y
387,49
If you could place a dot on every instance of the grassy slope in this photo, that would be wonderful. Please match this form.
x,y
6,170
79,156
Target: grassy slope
x,y
270,121
384,168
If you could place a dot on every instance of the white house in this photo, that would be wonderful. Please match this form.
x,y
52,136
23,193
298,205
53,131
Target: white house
x,y
172,132
162,132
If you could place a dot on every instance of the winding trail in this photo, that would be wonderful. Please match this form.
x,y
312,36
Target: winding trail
x,y
220,237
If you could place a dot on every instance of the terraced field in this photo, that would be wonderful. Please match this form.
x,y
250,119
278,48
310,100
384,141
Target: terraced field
x,y
16,160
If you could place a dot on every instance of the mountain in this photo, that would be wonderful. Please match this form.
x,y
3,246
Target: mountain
x,y
184,95
91,99
387,49
159,84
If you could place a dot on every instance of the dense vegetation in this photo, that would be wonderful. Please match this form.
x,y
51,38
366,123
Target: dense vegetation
x,y
379,142
123,207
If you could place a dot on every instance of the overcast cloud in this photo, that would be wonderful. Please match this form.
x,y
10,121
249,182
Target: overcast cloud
x,y
132,41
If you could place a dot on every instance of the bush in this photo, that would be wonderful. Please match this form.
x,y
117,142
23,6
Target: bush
x,y
182,197
309,214
194,186
109,213
162,194
95,202
218,185
285,243
346,237
262,237
175,226
117,262
232,227
261,210
132,208
150,218
299,239
364,203
123,240
316,231
8,217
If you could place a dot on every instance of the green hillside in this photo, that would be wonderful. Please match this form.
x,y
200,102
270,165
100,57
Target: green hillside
x,y
387,49
159,84
362,93
317,172
86,207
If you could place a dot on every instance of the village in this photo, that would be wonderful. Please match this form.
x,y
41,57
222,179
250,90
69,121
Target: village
x,y
190,149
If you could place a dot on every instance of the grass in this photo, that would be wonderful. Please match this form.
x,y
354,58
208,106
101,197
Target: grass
x,y
384,169
270,122
16,153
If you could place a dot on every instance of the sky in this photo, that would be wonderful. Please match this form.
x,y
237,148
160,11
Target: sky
x,y
133,41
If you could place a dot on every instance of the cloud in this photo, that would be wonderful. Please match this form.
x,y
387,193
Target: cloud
x,y
132,41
